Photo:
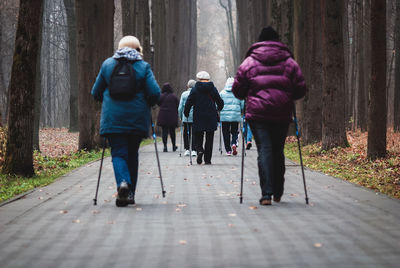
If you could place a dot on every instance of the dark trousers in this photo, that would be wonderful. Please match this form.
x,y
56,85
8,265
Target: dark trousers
x,y
125,158
187,132
208,147
270,140
171,131
228,129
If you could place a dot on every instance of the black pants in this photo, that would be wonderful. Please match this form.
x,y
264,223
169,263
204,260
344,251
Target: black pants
x,y
228,129
208,147
187,132
171,131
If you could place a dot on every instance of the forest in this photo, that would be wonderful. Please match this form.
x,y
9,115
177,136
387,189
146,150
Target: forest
x,y
52,50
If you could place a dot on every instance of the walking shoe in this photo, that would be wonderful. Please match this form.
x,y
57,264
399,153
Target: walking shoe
x,y
234,152
207,163
229,153
131,199
187,153
277,199
165,149
248,146
199,158
194,153
265,201
174,148
123,192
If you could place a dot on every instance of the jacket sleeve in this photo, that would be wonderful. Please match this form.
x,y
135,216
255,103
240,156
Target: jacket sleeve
x,y
240,86
99,86
180,108
299,85
152,88
218,100
189,104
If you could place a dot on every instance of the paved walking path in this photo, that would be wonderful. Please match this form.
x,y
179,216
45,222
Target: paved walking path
x,y
200,223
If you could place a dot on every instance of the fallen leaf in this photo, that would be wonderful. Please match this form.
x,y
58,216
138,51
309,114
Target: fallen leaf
x,y
293,194
40,197
178,210
208,184
111,222
95,212
182,242
232,215
317,245
63,211
139,209
76,221
253,207
107,201
182,205
230,225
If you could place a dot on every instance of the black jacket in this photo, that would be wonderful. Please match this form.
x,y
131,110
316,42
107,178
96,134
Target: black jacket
x,y
203,97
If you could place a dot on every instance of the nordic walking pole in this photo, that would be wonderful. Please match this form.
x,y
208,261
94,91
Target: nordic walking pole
x,y
152,126
301,158
180,150
244,129
190,133
158,159
220,131
98,180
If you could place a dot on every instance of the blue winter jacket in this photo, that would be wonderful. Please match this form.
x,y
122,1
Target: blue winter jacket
x,y
126,116
233,107
182,103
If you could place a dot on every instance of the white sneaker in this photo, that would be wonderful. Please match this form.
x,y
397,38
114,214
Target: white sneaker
x,y
194,153
187,153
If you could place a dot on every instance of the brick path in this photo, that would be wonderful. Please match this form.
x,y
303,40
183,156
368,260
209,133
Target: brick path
x,y
200,223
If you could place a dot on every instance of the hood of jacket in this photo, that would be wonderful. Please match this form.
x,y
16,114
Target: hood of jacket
x,y
269,52
205,87
166,88
127,53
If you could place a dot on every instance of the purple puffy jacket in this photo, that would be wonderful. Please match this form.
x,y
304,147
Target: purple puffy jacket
x,y
271,80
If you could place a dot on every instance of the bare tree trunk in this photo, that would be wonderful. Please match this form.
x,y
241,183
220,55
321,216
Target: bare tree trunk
x,y
38,90
73,71
19,150
94,45
377,110
233,40
311,57
396,109
333,109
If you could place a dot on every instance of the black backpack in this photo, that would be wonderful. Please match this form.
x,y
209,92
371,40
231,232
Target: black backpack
x,y
123,80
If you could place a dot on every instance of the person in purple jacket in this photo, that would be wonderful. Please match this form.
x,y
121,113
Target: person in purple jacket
x,y
168,115
270,79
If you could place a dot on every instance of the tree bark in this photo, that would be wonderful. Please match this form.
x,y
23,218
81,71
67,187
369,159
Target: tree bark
x,y
396,109
19,150
333,99
94,45
310,57
377,110
73,71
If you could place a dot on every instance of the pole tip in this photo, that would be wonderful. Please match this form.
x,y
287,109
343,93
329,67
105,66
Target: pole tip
x,y
94,202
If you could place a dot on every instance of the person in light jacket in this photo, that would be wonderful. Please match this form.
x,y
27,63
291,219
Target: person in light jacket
x,y
230,117
126,122
187,121
270,80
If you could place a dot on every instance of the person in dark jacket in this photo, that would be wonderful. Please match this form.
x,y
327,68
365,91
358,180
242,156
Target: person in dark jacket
x,y
126,122
204,98
168,115
271,80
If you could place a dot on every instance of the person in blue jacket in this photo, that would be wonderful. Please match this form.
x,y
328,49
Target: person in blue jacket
x,y
205,100
230,117
126,122
187,121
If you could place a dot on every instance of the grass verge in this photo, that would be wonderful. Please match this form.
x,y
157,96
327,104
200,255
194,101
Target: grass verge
x,y
351,164
47,170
